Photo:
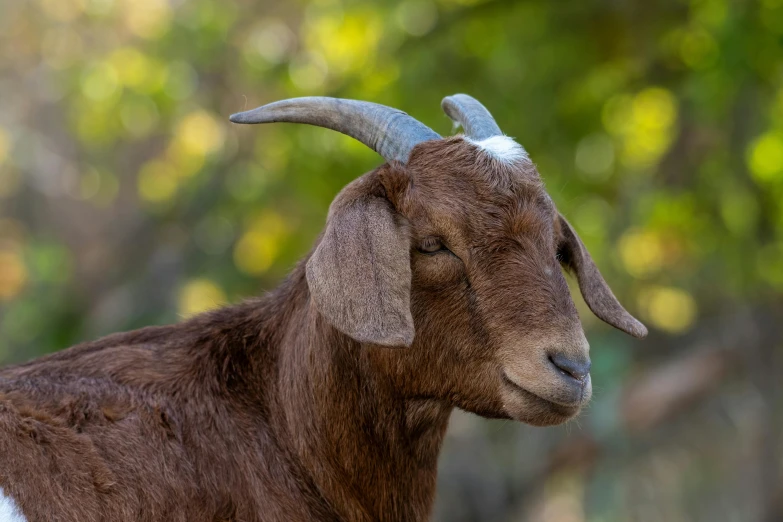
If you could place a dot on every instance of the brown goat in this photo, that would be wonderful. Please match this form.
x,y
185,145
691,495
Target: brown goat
x,y
435,285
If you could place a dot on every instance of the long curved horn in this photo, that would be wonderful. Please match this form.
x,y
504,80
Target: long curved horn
x,y
472,115
389,132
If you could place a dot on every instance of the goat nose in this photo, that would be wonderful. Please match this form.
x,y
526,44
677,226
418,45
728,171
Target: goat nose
x,y
578,369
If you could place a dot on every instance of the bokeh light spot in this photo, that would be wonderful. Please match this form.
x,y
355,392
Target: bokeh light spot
x,y
641,253
667,308
13,273
100,82
654,108
200,295
259,246
268,43
346,42
644,123
200,133
595,157
134,68
765,157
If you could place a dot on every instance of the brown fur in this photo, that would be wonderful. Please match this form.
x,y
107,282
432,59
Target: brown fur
x,y
273,410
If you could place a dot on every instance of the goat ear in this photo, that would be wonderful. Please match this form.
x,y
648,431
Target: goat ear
x,y
360,274
596,292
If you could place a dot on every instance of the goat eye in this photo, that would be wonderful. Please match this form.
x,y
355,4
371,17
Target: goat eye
x,y
562,255
431,245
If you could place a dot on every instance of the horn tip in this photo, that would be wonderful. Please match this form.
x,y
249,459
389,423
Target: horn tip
x,y
447,101
447,105
239,117
456,97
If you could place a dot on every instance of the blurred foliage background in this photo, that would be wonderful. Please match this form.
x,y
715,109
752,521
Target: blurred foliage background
x,y
126,199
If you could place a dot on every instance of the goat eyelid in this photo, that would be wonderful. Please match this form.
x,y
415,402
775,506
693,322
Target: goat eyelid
x,y
432,245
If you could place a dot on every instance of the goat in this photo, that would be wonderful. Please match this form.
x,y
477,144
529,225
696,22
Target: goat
x,y
435,285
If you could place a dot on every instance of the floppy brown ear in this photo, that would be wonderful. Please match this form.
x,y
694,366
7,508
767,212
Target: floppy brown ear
x,y
360,274
596,292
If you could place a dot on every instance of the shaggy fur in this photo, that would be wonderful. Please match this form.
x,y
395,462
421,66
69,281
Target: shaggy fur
x,y
292,407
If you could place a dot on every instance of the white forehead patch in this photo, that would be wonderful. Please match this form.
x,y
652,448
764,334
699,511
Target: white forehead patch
x,y
502,148
8,510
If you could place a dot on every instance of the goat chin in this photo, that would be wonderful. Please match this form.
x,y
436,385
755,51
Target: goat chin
x,y
525,406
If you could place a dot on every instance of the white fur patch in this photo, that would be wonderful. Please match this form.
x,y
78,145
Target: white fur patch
x,y
8,510
502,148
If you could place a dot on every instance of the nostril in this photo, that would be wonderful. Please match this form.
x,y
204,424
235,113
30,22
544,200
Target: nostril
x,y
578,369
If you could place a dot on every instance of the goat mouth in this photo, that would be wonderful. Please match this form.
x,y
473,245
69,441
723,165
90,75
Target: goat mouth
x,y
566,410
